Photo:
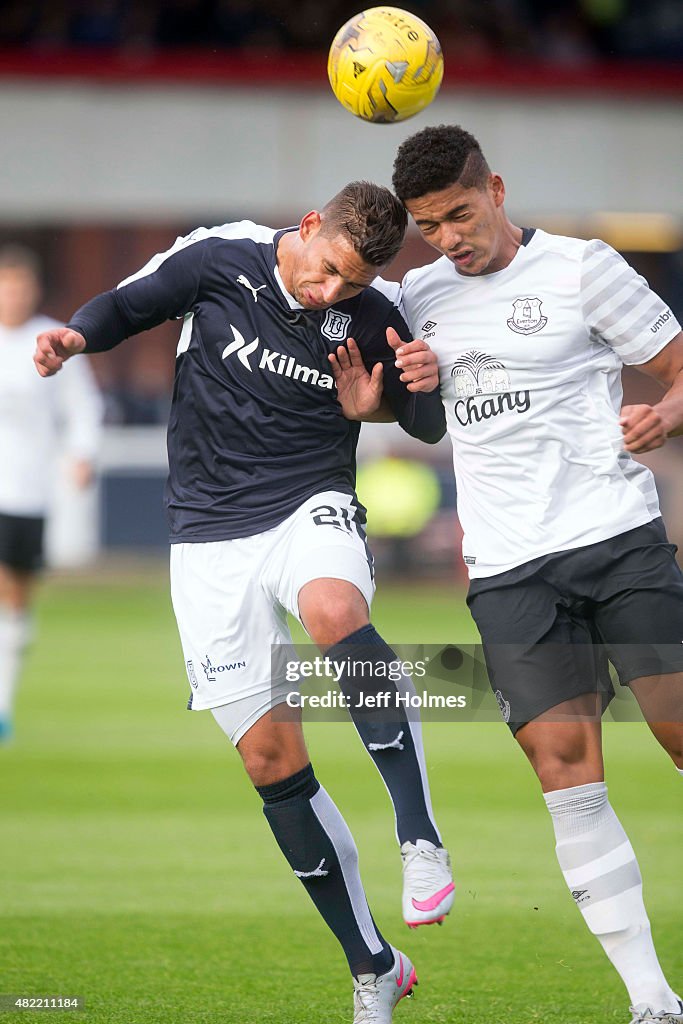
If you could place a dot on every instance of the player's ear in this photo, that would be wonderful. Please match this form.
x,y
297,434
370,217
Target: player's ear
x,y
497,188
310,225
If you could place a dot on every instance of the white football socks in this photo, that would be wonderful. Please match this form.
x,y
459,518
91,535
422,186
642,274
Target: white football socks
x,y
601,870
13,639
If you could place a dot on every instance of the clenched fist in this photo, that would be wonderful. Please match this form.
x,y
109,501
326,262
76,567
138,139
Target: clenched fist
x,y
54,347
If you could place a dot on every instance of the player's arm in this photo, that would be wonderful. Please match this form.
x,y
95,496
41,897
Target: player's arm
x,y
410,381
165,289
647,427
620,309
360,389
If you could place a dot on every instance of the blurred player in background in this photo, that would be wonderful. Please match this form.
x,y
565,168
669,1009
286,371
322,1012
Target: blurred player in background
x,y
264,519
564,541
38,420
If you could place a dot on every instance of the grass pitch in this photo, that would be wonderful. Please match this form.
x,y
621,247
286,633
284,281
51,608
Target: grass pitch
x,y
138,873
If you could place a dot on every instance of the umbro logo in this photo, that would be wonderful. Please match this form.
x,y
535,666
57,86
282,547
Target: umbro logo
x,y
247,284
429,325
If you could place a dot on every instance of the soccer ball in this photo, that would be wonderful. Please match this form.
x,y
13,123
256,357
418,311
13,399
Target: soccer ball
x,y
385,65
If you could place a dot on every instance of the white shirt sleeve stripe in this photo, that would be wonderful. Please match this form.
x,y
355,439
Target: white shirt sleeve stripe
x,y
620,308
238,229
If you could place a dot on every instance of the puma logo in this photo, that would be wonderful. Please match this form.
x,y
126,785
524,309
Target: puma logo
x,y
247,284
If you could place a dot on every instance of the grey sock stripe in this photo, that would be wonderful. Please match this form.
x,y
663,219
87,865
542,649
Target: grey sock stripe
x,y
614,883
575,851
330,818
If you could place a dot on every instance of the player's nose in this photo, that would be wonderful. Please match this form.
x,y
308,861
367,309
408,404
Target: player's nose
x,y
451,238
332,289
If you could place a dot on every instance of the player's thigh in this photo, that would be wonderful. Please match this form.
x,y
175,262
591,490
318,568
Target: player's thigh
x,y
539,653
639,617
324,552
228,628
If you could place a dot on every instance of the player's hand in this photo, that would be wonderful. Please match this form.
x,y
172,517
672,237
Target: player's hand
x,y
359,393
54,347
643,427
417,361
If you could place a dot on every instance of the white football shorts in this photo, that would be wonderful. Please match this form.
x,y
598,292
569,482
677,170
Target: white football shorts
x,y
231,600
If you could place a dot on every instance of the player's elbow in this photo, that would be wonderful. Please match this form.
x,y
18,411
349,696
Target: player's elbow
x,y
434,436
429,429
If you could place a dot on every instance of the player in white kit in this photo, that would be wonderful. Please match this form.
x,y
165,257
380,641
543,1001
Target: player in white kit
x,y
566,550
33,414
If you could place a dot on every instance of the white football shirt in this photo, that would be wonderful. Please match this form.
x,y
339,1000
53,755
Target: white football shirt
x,y
530,362
40,417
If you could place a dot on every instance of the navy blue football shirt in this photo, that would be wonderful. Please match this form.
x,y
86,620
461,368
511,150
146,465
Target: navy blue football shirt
x,y
255,426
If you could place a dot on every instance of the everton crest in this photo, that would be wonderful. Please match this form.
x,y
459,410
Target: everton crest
x,y
526,316
336,325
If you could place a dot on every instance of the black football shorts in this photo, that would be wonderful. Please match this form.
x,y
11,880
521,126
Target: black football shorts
x,y
21,542
551,627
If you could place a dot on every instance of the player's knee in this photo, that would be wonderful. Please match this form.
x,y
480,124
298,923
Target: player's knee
x,y
267,764
330,623
674,745
331,610
562,758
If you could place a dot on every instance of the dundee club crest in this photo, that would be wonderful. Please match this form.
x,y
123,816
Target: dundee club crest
x,y
336,325
526,316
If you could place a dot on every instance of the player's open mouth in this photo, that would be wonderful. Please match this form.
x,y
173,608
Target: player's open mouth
x,y
462,259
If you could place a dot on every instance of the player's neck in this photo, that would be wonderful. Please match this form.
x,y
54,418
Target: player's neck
x,y
284,257
509,244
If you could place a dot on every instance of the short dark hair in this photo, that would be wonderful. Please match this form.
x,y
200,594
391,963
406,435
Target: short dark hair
x,y
437,157
371,216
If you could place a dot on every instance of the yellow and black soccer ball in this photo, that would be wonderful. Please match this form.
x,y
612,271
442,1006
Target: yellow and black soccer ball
x,y
385,65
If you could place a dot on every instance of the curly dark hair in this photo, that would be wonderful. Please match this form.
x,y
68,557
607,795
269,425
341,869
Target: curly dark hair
x,y
437,157
373,218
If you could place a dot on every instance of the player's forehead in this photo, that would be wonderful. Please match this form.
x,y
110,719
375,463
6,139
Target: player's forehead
x,y
439,205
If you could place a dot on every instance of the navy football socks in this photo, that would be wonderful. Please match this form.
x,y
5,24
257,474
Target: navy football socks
x,y
318,845
393,742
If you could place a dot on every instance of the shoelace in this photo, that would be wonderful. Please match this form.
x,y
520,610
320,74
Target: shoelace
x,y
364,1001
430,862
649,1015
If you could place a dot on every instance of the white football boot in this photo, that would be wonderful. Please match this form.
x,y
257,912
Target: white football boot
x,y
374,997
428,890
644,1014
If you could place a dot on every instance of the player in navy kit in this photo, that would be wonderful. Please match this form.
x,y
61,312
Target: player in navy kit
x,y
567,553
264,519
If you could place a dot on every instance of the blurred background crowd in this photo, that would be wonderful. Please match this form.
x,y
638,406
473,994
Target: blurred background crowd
x,y
563,31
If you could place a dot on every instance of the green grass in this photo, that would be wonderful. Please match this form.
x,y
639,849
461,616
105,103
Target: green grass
x,y
138,873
